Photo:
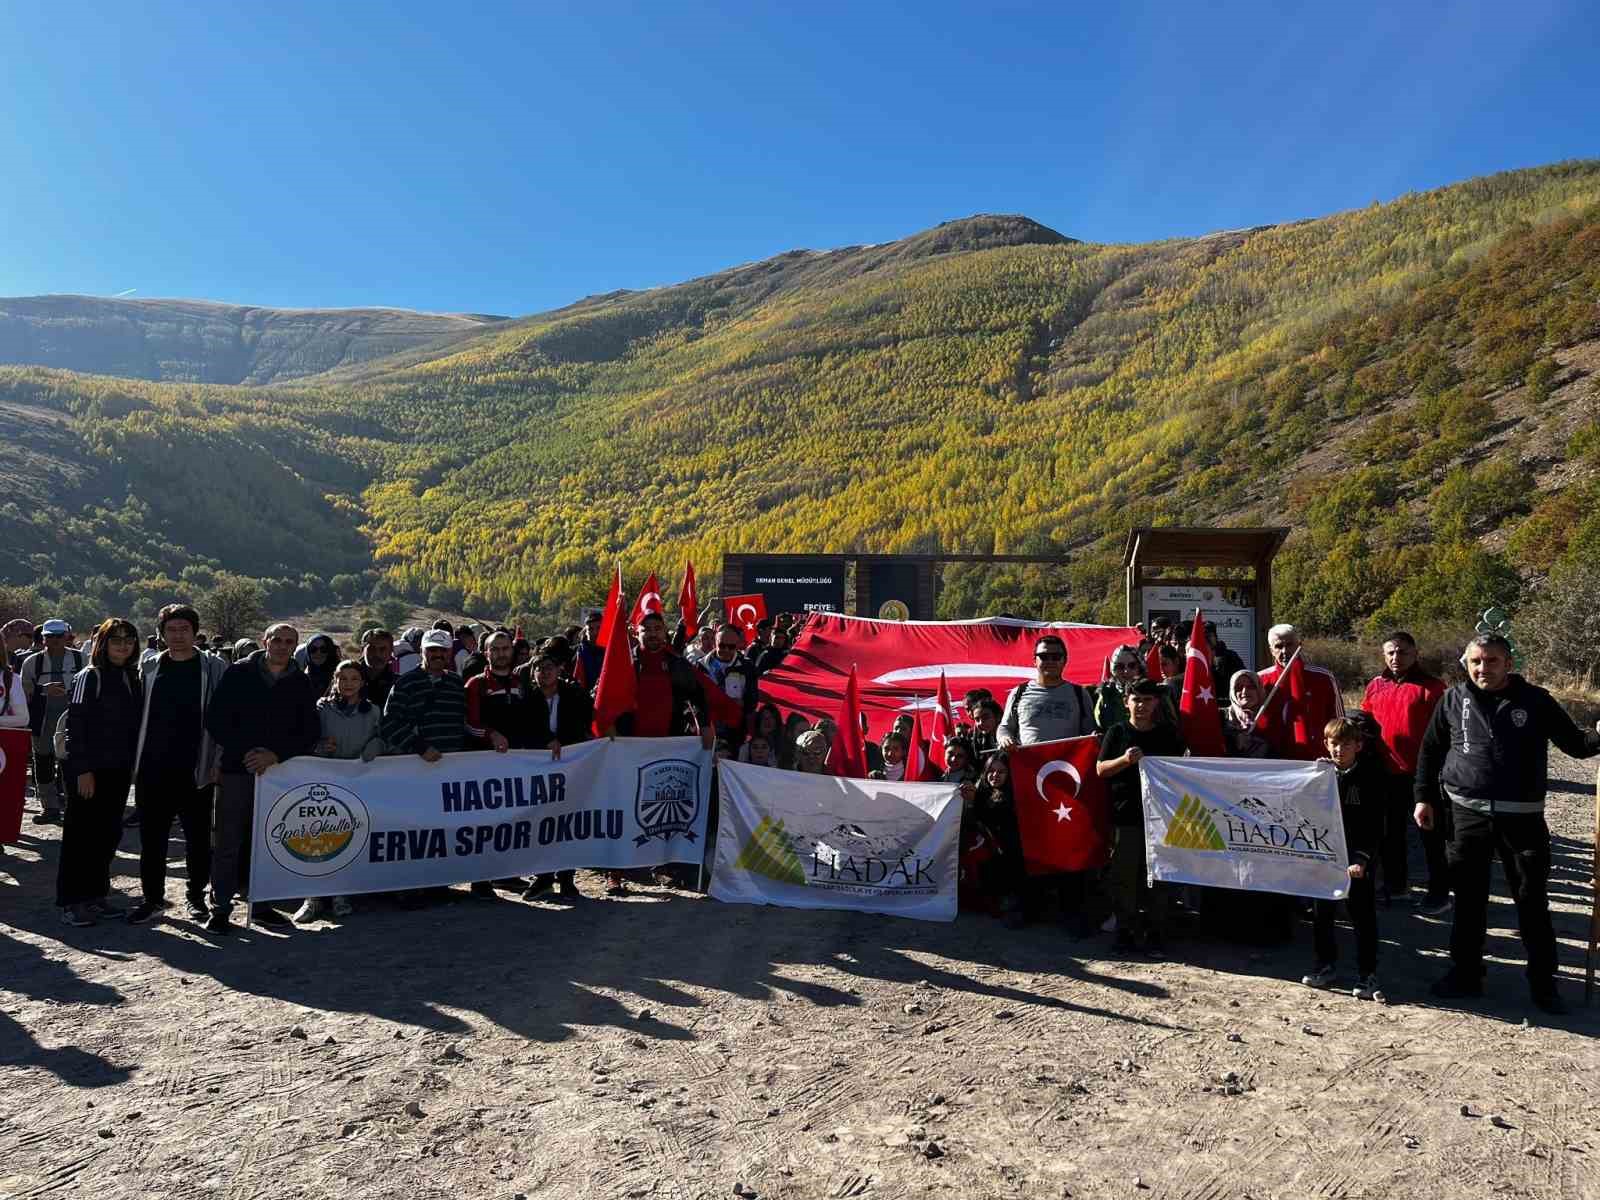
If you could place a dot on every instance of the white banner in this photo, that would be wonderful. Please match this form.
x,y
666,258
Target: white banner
x,y
339,827
1265,825
813,841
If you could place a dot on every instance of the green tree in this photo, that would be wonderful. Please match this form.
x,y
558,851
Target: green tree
x,y
234,607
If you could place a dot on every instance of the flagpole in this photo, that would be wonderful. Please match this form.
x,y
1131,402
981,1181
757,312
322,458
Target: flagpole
x,y
1276,684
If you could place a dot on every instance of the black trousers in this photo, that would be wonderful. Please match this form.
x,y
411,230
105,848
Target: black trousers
x,y
1398,822
1522,841
90,833
164,795
1363,908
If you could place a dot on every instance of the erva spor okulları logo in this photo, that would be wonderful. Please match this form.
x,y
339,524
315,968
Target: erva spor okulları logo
x,y
317,829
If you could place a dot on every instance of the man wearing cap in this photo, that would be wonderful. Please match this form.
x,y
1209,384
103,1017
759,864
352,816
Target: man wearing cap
x,y
426,713
45,676
264,711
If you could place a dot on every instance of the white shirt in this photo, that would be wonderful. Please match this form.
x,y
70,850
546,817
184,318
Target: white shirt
x,y
554,704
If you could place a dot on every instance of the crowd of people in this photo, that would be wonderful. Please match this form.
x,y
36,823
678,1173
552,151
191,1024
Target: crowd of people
x,y
185,726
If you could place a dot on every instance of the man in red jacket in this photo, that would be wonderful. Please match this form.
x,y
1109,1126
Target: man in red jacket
x,y
1401,700
1325,701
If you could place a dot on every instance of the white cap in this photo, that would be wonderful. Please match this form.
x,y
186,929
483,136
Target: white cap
x,y
436,637
55,626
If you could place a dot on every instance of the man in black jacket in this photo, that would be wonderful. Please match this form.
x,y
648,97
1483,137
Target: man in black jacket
x,y
1487,749
560,713
264,711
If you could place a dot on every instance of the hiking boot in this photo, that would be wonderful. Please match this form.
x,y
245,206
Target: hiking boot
x,y
1367,988
143,911
1321,976
1549,1001
77,915
1456,986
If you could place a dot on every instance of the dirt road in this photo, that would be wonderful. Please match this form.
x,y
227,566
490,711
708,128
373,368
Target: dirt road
x,y
669,1046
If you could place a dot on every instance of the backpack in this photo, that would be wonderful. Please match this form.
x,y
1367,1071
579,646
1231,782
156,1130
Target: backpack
x,y
59,737
36,713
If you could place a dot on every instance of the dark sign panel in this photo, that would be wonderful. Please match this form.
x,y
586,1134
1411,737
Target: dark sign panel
x,y
796,585
891,590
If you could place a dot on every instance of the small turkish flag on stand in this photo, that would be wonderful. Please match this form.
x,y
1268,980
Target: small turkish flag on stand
x,y
944,725
746,612
649,601
1198,713
847,757
15,747
1063,816
617,690
689,603
613,602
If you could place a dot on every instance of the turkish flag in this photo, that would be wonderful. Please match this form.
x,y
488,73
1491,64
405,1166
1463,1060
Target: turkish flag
x,y
1063,814
1307,742
900,661
649,601
944,725
689,603
745,612
617,690
1152,662
918,768
613,602
1198,713
16,745
847,757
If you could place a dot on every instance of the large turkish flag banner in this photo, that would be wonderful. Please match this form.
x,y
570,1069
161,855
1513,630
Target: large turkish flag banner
x,y
16,745
898,662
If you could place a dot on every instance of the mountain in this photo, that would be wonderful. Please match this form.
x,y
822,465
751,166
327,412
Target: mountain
x,y
197,341
1408,385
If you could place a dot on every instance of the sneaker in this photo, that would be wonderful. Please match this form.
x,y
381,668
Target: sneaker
x,y
1323,976
1455,986
1550,1002
309,910
1433,906
108,908
143,911
537,888
219,922
198,910
1367,988
263,915
77,915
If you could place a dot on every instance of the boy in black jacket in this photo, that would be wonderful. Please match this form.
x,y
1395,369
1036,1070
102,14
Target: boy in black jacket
x,y
1361,804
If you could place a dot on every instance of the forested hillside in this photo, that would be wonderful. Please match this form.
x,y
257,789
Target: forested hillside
x,y
202,342
1407,384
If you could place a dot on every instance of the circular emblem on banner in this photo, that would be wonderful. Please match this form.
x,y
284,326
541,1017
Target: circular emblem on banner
x,y
894,610
317,829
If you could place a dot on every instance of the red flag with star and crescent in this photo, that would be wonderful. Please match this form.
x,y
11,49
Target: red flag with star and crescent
x,y
746,612
1198,714
689,603
944,725
1063,813
649,601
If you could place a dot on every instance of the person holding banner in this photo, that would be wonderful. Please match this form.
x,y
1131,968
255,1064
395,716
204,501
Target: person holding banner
x,y
264,712
1138,904
102,734
559,715
1362,800
1487,749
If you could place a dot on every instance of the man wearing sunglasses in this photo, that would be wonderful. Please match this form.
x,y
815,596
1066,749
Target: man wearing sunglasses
x,y
1047,707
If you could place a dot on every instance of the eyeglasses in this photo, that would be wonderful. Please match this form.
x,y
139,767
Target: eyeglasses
x,y
1049,656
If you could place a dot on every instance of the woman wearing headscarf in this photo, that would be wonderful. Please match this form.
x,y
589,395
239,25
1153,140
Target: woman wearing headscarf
x,y
1239,732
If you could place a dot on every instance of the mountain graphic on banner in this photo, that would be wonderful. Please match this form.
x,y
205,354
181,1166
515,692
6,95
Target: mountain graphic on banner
x,y
1192,828
768,853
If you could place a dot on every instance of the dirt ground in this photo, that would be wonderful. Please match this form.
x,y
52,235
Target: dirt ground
x,y
667,1045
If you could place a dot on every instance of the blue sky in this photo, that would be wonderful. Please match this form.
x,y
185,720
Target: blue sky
x,y
512,158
